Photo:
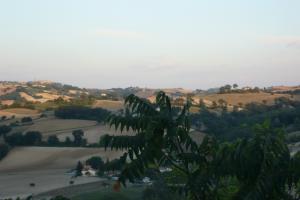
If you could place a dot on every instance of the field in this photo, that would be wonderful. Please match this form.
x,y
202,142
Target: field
x,y
64,127
129,193
245,98
109,105
44,166
19,112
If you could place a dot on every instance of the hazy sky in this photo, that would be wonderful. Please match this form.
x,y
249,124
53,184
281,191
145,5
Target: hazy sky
x,y
153,43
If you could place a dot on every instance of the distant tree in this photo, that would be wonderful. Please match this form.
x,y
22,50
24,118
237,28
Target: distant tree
x,y
79,168
26,119
264,102
102,140
68,141
222,102
256,89
202,104
95,162
214,104
15,139
4,149
32,138
53,140
235,86
78,134
4,129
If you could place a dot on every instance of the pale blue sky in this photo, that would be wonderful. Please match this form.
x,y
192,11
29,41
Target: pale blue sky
x,y
157,43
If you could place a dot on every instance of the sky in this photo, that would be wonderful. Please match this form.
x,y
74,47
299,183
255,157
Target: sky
x,y
155,44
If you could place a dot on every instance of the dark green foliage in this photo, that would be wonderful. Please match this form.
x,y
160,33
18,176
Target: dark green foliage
x,y
68,141
15,139
80,112
60,198
78,169
4,129
53,140
78,138
4,149
238,124
159,191
96,163
26,119
32,138
257,167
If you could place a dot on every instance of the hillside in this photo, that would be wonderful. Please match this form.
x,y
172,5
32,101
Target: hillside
x,y
43,95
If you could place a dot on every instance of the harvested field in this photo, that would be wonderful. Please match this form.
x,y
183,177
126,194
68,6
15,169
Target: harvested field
x,y
44,166
24,159
245,98
19,112
64,127
109,105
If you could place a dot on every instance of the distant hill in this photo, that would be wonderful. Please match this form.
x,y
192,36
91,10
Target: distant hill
x,y
44,91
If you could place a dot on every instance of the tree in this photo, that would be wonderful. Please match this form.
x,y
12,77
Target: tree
x,y
15,139
78,134
95,162
26,119
4,130
53,140
78,169
32,138
159,137
235,86
4,149
260,165
68,141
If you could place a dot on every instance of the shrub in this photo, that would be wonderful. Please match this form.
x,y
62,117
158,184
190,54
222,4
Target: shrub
x,y
26,119
4,149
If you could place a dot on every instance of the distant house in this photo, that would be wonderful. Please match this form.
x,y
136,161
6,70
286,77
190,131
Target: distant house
x,y
246,88
88,171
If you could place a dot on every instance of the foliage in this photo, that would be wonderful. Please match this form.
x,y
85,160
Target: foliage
x,y
238,124
78,169
53,140
4,129
4,149
60,198
78,140
260,165
95,162
80,112
28,139
26,119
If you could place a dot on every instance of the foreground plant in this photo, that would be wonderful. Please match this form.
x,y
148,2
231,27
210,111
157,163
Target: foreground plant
x,y
260,166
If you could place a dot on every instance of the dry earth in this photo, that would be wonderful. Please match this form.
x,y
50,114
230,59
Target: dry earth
x,y
19,112
109,105
245,98
45,166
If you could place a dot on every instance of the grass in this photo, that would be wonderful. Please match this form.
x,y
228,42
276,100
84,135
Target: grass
x,y
129,193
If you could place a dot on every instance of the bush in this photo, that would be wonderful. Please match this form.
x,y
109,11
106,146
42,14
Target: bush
x,y
80,112
4,129
95,162
15,139
53,140
26,119
4,149
32,138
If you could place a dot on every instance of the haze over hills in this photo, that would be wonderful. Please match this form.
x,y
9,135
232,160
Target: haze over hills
x,y
43,91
